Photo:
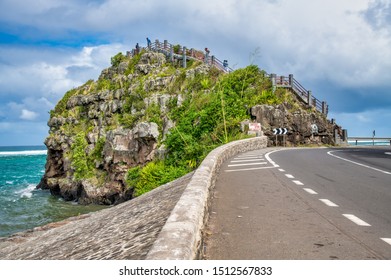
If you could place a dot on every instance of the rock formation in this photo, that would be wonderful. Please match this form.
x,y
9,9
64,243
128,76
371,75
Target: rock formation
x,y
103,128
304,126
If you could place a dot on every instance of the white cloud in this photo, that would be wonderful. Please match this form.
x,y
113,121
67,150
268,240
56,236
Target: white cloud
x,y
344,45
51,75
32,82
363,123
363,118
28,115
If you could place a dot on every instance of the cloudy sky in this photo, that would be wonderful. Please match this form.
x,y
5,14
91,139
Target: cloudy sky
x,y
338,49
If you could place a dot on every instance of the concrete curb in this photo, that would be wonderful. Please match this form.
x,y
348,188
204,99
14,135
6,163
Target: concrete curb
x,y
181,236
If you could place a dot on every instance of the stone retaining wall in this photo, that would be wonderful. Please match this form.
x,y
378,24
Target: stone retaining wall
x,y
165,223
181,236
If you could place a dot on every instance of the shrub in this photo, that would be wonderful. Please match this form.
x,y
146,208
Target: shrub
x,y
154,174
117,59
79,157
133,62
62,104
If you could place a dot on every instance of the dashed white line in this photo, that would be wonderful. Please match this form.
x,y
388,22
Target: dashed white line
x,y
254,163
244,157
356,220
248,169
281,170
387,240
298,183
255,158
248,160
290,176
310,191
328,202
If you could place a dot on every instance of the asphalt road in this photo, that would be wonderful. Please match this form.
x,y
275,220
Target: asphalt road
x,y
302,204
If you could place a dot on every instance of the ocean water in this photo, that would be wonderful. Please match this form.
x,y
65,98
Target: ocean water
x,y
22,206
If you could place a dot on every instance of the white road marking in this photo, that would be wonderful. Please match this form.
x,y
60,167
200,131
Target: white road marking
x,y
254,163
248,160
356,220
282,170
328,202
310,191
267,156
298,183
289,176
360,164
249,156
248,169
387,240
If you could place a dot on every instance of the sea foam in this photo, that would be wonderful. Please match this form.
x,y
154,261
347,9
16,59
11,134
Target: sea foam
x,y
24,153
26,192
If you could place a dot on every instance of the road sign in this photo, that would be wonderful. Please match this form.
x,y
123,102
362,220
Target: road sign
x,y
314,128
254,126
280,131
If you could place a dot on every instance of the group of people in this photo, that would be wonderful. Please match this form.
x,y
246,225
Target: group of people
x,y
137,48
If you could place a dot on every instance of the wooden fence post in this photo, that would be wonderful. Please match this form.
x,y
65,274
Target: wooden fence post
x,y
273,79
172,53
291,80
184,57
324,108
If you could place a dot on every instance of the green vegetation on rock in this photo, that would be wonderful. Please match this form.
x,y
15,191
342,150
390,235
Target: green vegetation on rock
x,y
210,115
79,158
202,106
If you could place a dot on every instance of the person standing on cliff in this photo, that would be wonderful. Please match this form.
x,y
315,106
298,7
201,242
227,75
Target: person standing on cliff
x,y
225,65
148,43
206,55
137,49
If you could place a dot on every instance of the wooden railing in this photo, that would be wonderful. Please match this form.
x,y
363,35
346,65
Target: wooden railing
x,y
304,94
182,53
178,52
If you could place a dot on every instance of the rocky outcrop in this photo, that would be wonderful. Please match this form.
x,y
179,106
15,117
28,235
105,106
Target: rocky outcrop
x,y
304,126
112,143
123,148
104,128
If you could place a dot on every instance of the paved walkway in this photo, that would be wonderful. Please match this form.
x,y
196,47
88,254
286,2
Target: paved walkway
x,y
125,231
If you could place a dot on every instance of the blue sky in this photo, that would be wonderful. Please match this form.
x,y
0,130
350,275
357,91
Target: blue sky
x,y
340,50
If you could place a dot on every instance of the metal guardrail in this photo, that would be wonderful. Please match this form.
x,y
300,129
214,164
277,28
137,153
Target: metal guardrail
x,y
375,141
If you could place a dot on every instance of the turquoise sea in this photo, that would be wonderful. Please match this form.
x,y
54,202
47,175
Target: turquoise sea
x,y
22,206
